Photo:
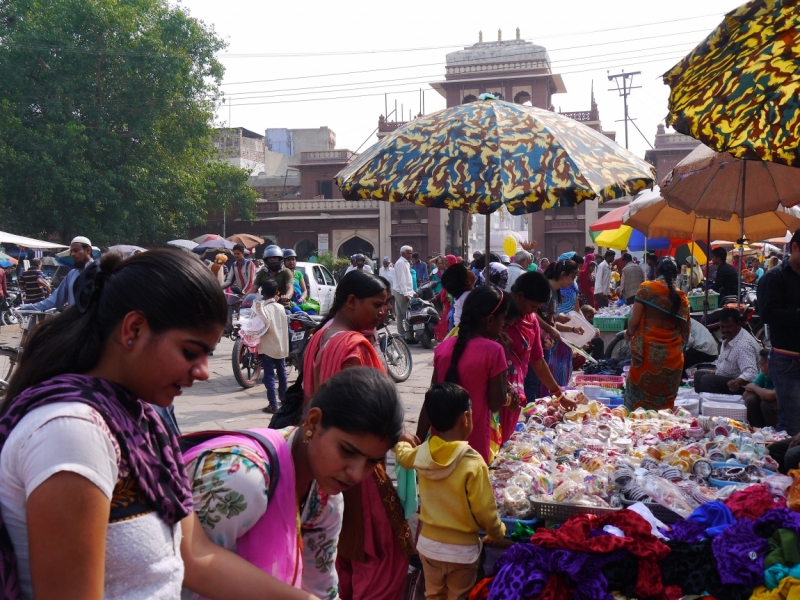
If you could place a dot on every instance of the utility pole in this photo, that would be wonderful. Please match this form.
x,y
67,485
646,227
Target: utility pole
x,y
624,91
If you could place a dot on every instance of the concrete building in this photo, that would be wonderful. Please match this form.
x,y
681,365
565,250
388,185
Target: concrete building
x,y
670,149
241,147
293,142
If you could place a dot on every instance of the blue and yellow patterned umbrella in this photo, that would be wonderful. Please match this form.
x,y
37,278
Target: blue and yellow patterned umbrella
x,y
739,90
479,156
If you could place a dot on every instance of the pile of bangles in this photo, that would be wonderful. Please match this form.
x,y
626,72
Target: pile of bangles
x,y
606,458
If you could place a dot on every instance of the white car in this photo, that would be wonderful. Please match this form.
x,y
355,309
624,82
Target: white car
x,y
321,284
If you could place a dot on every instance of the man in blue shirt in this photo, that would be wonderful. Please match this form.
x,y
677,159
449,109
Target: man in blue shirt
x,y
420,268
80,249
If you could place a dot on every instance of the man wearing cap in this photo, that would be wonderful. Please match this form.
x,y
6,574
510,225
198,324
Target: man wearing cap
x,y
403,288
80,250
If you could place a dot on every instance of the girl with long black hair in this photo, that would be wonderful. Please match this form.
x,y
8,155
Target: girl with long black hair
x,y
476,360
94,495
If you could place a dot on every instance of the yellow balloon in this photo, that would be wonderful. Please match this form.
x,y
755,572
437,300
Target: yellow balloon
x,y
510,245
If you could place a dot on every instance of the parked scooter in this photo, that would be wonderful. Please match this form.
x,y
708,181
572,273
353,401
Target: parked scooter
x,y
422,316
301,327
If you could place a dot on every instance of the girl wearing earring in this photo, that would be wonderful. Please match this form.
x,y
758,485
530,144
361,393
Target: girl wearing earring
x,y
290,527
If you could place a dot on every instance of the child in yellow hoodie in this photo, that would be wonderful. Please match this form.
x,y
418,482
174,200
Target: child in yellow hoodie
x,y
455,495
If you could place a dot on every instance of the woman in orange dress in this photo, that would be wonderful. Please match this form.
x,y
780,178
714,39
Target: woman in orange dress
x,y
657,332
375,545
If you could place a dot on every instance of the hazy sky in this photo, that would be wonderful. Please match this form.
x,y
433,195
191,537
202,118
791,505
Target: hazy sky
x,y
294,54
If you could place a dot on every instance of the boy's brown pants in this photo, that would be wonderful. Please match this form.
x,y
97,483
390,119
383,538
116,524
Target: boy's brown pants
x,y
448,581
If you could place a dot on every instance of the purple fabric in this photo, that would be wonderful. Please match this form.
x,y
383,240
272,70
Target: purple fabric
x,y
740,554
687,531
523,570
149,449
778,518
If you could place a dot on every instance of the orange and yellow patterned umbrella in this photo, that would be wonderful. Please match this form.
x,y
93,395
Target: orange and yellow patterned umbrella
x,y
482,155
739,90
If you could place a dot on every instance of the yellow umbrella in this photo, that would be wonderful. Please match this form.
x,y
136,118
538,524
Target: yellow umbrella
x,y
616,239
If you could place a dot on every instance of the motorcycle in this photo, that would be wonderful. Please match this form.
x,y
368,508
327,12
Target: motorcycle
x,y
395,353
8,308
301,327
422,318
244,358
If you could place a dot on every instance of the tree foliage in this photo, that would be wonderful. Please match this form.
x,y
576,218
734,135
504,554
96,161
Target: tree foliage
x,y
105,121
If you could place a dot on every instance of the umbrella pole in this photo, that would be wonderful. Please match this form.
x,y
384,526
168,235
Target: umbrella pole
x,y
741,239
487,249
708,259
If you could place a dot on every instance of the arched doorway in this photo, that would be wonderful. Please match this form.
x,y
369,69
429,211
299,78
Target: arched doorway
x,y
356,245
304,249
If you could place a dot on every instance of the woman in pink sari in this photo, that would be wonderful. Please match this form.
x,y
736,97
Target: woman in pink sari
x,y
376,544
252,489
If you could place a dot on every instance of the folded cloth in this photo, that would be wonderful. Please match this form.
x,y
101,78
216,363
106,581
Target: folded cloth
x,y
753,502
740,554
407,489
643,511
577,535
783,549
777,573
789,589
714,515
527,571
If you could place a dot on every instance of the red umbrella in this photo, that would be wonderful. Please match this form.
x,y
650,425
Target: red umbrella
x,y
202,239
611,220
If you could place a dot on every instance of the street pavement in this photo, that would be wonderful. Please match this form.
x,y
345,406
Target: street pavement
x,y
221,403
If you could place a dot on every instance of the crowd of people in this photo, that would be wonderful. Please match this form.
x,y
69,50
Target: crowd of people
x,y
99,498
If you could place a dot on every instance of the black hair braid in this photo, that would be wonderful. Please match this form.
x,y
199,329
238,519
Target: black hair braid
x,y
480,304
668,269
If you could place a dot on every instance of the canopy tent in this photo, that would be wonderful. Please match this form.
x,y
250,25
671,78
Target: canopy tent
x,y
26,242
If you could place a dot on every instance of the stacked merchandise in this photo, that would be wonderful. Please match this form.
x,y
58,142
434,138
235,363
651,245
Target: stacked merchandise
x,y
680,505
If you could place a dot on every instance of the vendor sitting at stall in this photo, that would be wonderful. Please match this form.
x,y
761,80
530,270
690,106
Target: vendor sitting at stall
x,y
737,364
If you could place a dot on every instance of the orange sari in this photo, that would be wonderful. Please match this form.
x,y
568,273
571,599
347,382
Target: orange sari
x,y
656,353
375,545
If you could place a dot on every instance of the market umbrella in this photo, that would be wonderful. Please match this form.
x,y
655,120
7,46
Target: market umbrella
x,y
651,214
7,261
213,245
486,154
245,239
628,238
711,183
738,90
610,220
715,185
126,250
185,244
200,239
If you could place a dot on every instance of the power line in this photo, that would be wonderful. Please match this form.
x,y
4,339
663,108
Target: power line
x,y
319,87
371,84
416,90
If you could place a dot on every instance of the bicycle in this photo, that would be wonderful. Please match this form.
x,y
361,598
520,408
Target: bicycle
x,y
10,356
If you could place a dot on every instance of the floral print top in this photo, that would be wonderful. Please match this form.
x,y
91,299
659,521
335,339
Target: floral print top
x,y
229,487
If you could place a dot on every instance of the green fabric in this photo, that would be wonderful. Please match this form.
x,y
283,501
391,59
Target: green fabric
x,y
783,546
521,533
533,267
763,381
407,489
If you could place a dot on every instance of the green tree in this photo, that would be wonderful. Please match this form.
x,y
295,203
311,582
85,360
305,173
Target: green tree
x,y
105,121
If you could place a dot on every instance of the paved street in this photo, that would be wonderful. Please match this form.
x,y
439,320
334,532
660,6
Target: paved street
x,y
221,403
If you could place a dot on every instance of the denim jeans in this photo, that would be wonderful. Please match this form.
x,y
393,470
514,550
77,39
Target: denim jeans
x,y
785,374
168,417
270,366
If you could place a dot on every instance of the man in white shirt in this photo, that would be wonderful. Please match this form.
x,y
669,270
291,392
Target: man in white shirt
x,y
602,279
403,289
387,271
522,260
360,263
701,347
737,364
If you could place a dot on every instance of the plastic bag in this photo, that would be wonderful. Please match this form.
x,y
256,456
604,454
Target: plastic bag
x,y
669,495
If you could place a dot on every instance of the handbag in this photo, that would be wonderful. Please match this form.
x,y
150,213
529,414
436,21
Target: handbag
x,y
291,411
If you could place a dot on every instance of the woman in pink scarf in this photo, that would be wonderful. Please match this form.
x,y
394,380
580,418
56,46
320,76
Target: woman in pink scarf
x,y
586,281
